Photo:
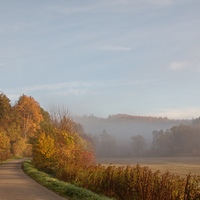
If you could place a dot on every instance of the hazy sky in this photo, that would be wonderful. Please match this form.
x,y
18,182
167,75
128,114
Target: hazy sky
x,y
101,57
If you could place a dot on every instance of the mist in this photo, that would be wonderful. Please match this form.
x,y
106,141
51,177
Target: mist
x,y
127,136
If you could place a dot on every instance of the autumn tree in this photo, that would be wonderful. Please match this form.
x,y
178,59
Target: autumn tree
x,y
61,119
26,119
29,115
44,150
52,152
4,146
58,145
5,109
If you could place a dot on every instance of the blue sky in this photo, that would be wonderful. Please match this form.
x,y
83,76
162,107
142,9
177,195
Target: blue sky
x,y
102,57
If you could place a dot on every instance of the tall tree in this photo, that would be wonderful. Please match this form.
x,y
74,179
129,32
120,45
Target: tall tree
x,y
29,114
105,144
5,109
161,144
4,146
138,144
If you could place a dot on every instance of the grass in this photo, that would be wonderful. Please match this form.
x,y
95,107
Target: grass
x,y
181,166
64,189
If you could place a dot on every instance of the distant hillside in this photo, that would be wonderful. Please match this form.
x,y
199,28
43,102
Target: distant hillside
x,y
125,126
142,118
112,135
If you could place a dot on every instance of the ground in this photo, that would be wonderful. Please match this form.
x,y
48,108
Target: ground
x,y
178,165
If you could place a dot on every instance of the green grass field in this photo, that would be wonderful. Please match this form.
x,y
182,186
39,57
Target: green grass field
x,y
177,165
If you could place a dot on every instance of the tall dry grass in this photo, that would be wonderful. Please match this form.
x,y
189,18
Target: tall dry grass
x,y
133,182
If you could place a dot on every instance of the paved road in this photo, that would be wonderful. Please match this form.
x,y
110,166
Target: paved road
x,y
16,185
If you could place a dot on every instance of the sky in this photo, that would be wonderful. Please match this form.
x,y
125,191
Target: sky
x,y
103,57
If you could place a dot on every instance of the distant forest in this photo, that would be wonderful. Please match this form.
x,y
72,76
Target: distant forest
x,y
127,135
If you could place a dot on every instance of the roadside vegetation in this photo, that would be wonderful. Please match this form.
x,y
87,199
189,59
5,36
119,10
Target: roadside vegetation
x,y
60,147
62,188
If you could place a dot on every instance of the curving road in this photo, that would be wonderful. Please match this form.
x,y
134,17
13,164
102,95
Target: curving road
x,y
16,185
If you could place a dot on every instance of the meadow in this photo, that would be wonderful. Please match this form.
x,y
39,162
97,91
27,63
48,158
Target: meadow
x,y
181,166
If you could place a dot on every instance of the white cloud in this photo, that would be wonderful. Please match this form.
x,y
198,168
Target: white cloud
x,y
116,48
78,87
56,86
142,4
178,65
74,9
182,113
197,65
65,88
72,91
193,65
110,5
159,2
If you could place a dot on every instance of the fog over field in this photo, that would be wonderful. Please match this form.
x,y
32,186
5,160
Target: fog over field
x,y
113,136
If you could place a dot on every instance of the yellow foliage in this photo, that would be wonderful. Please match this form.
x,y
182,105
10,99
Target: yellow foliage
x,y
4,141
44,153
4,146
45,146
30,113
22,148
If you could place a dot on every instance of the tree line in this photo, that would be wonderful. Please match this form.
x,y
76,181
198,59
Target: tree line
x,y
52,138
180,140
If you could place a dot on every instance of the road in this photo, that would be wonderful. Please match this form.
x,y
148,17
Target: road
x,y
16,185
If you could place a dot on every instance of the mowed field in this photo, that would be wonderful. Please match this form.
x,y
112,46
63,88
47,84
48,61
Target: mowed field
x,y
177,165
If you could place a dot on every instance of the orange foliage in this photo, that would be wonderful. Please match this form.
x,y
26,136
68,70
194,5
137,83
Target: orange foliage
x,y
4,146
58,149
29,114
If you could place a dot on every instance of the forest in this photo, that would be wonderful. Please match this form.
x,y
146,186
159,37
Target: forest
x,y
59,146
